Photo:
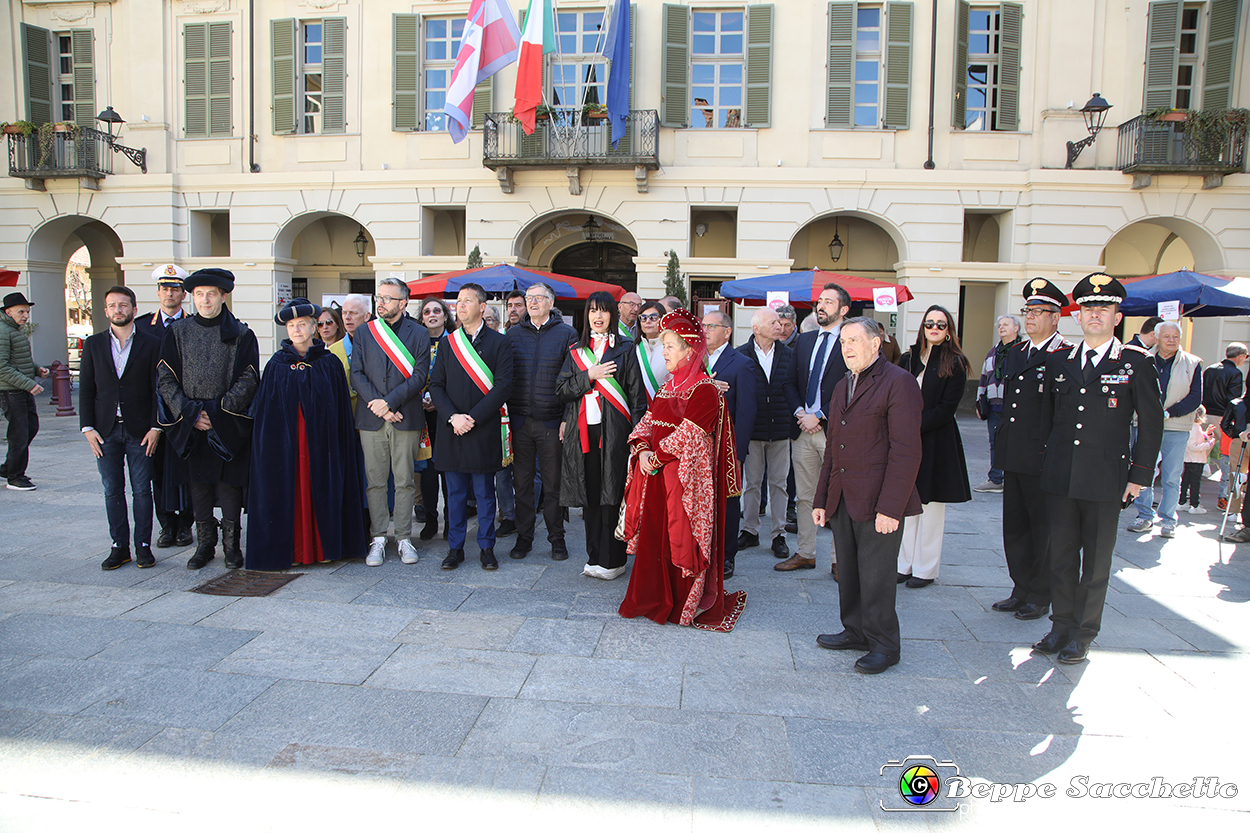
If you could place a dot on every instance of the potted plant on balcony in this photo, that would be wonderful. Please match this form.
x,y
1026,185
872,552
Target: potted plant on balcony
x,y
541,113
595,112
1207,131
1168,114
25,128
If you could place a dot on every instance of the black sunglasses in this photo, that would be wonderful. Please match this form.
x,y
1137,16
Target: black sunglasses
x,y
935,325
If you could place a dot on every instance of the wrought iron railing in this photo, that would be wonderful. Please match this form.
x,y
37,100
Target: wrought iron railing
x,y
81,152
1153,145
570,136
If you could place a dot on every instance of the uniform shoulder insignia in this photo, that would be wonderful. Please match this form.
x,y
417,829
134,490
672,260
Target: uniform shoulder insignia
x,y
1059,345
1136,349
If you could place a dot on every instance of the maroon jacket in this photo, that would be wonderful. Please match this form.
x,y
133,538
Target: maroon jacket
x,y
872,446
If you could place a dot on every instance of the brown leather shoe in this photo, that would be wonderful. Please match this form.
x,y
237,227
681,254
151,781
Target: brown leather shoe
x,y
796,562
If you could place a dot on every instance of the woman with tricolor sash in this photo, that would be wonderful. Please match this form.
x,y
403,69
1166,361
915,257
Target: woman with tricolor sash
x,y
604,398
650,359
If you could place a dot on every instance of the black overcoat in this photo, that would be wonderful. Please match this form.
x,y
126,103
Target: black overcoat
x,y
943,476
480,451
314,384
571,385
1019,443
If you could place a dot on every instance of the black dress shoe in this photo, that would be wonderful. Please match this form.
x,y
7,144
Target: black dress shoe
x,y
1051,642
166,538
453,559
1032,611
117,557
143,556
488,559
183,537
729,568
506,527
874,662
1074,652
841,642
559,552
418,513
1009,604
792,527
431,526
902,577
521,548
746,540
780,550
916,583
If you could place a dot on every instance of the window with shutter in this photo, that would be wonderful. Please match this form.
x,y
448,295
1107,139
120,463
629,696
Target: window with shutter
x,y
1217,85
759,66
310,75
898,66
405,60
675,71
83,48
1190,52
37,58
282,38
333,75
987,67
207,80
1163,35
717,64
440,45
868,82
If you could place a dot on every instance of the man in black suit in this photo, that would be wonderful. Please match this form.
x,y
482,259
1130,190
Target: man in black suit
x,y
1018,452
169,471
733,371
117,413
816,365
1091,470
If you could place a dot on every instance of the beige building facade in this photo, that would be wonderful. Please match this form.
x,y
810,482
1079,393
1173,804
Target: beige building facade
x,y
929,136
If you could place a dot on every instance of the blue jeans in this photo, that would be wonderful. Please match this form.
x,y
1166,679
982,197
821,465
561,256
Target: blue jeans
x,y
1172,453
996,475
122,451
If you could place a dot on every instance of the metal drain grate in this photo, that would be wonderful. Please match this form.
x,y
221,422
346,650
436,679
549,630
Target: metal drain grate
x,y
245,583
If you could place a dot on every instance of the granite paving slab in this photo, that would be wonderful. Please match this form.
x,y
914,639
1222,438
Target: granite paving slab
x,y
739,804
308,616
176,646
614,682
849,753
343,658
181,697
557,636
453,671
56,598
646,641
440,628
744,690
77,637
178,748
549,605
922,658
389,592
56,685
178,607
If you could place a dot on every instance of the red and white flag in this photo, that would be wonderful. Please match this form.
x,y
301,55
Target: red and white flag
x,y
538,39
490,42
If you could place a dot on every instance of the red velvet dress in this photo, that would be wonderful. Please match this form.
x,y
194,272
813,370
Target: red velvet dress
x,y
675,518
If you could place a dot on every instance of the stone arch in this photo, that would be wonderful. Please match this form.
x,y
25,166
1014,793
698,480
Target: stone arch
x,y
872,244
547,235
1155,245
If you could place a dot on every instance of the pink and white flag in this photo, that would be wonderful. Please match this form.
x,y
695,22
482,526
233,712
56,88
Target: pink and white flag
x,y
490,42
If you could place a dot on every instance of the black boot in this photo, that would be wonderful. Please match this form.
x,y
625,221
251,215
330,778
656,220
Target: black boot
x,y
729,568
431,525
166,538
182,537
206,534
230,545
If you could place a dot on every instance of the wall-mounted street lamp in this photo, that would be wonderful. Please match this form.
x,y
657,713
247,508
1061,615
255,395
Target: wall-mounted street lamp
x,y
836,245
110,117
1095,113
362,243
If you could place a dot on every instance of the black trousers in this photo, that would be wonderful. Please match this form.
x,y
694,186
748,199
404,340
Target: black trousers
x,y
1026,537
867,568
602,547
1082,541
431,478
204,496
733,521
1191,484
537,447
18,407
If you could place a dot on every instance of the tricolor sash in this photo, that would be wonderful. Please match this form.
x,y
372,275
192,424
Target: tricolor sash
x,y
482,376
608,388
648,375
624,331
404,363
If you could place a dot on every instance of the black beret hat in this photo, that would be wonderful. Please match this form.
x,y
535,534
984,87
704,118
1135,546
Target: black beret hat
x,y
1099,288
298,308
220,278
1042,291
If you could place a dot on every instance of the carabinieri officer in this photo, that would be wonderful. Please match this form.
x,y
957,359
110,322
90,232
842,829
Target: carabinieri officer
x,y
1090,471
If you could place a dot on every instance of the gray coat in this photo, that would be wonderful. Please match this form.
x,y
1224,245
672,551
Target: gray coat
x,y
375,376
17,368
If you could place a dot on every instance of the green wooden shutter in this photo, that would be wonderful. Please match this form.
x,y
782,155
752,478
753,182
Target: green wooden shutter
x,y
959,98
282,37
759,68
675,71
1163,49
483,98
840,81
1010,21
406,66
1217,83
333,75
195,79
82,42
897,110
37,56
220,80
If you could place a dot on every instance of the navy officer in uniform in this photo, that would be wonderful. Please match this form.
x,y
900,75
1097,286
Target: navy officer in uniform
x,y
1018,452
1091,468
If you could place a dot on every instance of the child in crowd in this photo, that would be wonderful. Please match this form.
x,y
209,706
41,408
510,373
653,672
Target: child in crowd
x,y
1201,438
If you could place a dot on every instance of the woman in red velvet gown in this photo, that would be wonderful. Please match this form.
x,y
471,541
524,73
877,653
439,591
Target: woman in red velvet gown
x,y
682,466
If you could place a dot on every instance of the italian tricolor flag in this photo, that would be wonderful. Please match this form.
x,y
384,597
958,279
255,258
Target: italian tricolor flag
x,y
538,39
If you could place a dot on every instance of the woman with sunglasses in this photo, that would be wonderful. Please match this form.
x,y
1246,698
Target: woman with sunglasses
x,y
650,357
330,326
436,318
941,369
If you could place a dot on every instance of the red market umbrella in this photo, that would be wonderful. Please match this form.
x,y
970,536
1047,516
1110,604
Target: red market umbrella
x,y
505,278
805,287
8,278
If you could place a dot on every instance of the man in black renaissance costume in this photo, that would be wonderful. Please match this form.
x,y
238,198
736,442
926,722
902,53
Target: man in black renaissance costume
x,y
207,377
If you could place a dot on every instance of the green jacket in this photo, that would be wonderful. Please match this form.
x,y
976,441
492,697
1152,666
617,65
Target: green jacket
x,y
17,368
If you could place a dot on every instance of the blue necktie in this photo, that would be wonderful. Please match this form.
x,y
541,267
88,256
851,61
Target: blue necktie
x,y
813,380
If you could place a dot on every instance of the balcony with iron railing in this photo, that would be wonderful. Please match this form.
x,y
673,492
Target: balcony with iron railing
x,y
572,138
1161,144
83,153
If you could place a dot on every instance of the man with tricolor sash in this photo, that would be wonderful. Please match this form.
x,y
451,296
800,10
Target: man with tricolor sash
x,y
469,386
390,361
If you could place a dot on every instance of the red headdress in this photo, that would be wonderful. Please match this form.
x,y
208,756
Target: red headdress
x,y
683,323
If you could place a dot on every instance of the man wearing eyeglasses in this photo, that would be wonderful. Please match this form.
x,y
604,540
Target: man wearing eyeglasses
x,y
539,345
628,307
390,362
1017,452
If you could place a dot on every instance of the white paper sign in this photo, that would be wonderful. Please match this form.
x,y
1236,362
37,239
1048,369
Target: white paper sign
x,y
1170,310
778,299
884,299
282,293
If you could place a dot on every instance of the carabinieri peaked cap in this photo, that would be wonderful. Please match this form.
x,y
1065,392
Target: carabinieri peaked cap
x,y
1099,288
1041,291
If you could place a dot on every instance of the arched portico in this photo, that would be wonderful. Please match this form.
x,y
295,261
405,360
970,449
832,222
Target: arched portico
x,y
581,244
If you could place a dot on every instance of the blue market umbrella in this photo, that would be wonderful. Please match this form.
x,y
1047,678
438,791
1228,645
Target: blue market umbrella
x,y
1201,296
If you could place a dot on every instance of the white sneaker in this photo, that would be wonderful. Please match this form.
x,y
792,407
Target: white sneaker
x,y
377,553
1196,510
608,575
407,552
593,570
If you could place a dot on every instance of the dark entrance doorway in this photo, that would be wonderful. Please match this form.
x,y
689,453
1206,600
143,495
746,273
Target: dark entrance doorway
x,y
599,261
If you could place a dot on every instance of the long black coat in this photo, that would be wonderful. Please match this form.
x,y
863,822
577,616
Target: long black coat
x,y
1019,443
571,385
943,476
453,391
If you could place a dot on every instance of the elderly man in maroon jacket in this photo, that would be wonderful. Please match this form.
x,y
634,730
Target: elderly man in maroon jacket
x,y
867,485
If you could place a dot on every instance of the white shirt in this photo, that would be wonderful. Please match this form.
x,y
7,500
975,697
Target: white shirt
x,y
714,356
1099,352
594,408
1045,342
765,358
832,340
